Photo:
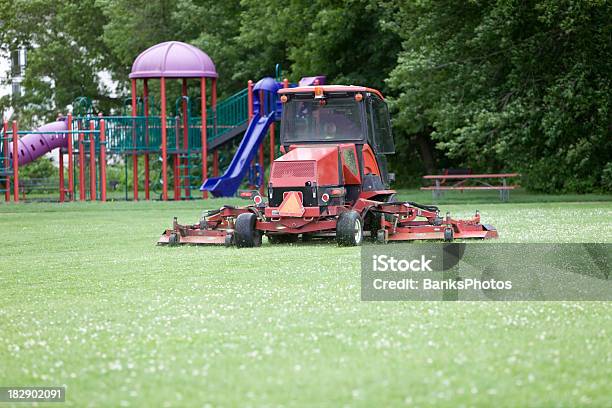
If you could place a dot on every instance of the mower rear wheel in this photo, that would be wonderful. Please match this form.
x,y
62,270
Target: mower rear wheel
x,y
349,229
245,234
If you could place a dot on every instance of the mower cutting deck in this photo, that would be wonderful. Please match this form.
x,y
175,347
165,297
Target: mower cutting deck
x,y
331,182
245,226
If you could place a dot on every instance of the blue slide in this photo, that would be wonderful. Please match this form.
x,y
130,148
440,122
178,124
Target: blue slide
x,y
227,184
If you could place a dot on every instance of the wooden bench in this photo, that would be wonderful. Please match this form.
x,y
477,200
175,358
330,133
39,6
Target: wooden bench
x,y
459,182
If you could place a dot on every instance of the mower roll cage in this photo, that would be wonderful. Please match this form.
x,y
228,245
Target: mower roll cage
x,y
374,121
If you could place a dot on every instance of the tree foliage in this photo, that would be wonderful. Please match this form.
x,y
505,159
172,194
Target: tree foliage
x,y
508,85
65,54
38,169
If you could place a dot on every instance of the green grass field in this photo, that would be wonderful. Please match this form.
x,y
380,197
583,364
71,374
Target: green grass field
x,y
88,301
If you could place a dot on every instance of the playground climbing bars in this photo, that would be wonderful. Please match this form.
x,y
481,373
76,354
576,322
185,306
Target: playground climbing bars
x,y
177,140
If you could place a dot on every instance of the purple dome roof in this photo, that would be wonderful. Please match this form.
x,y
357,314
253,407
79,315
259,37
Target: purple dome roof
x,y
173,59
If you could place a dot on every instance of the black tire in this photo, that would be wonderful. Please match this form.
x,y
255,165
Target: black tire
x,y
349,229
282,238
245,234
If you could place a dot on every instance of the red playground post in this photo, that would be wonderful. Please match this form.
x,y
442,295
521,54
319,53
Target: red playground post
x,y
102,160
134,155
250,98
61,176
214,104
81,166
145,92
164,135
250,102
272,142
92,161
214,112
261,148
204,137
216,162
15,163
175,161
70,160
7,189
185,139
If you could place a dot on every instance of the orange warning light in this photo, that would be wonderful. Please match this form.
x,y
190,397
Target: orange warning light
x,y
284,98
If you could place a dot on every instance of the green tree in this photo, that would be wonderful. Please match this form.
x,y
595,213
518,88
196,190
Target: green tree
x,y
214,27
131,26
346,40
65,55
38,169
510,86
349,41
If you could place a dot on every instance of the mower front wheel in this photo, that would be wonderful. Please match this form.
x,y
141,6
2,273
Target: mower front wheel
x,y
245,234
349,229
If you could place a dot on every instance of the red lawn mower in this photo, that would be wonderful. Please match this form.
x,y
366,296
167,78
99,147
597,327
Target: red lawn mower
x,y
331,181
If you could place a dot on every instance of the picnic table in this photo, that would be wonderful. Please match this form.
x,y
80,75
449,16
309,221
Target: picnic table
x,y
460,181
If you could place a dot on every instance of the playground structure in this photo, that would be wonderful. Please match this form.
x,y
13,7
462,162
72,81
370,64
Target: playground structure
x,y
182,143
331,181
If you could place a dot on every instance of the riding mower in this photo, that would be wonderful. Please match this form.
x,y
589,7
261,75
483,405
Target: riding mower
x,y
331,181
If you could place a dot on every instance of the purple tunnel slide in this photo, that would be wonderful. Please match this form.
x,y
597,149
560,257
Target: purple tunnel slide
x,y
32,146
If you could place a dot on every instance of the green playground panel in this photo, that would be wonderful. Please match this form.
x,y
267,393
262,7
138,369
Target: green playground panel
x,y
126,134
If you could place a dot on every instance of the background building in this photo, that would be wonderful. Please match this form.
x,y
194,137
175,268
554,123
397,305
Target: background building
x,y
12,70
